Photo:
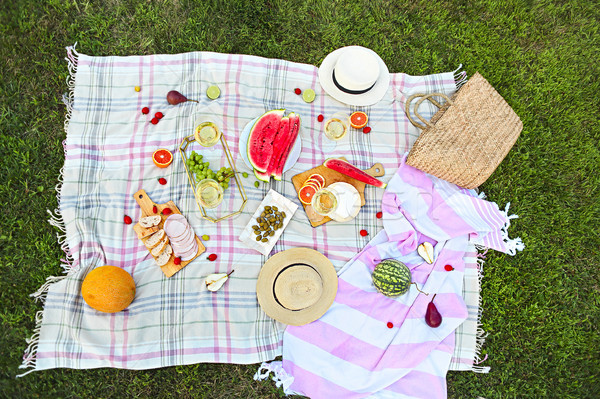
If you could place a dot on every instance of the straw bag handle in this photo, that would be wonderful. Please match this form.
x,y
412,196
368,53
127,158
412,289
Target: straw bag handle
x,y
424,97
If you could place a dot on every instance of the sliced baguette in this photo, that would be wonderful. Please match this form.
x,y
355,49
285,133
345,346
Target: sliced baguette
x,y
148,231
168,249
157,250
155,239
150,221
163,258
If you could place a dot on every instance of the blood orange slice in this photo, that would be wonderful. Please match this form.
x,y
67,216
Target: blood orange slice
x,y
314,183
317,177
306,193
162,157
358,120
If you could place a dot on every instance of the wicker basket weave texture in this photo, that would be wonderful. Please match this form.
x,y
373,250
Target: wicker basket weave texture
x,y
465,142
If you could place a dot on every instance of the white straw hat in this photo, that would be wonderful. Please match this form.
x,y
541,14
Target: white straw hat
x,y
354,75
296,286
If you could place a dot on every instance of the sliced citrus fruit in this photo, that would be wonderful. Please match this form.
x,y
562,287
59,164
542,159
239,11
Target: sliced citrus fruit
x,y
314,183
162,157
306,193
358,120
309,95
318,177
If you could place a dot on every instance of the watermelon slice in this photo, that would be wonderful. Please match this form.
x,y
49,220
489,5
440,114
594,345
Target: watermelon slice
x,y
348,169
261,139
288,145
278,144
262,176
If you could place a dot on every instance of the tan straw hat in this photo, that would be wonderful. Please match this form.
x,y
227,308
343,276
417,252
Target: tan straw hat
x,y
296,286
354,75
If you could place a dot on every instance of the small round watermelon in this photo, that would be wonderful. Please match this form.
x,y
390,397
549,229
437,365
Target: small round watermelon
x,y
392,278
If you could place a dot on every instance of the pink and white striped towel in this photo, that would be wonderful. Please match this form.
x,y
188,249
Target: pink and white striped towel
x,y
368,344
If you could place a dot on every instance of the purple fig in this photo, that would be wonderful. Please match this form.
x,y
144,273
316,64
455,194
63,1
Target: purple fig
x,y
174,97
433,318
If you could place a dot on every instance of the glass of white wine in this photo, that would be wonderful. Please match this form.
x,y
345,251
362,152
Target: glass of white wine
x,y
209,193
207,134
324,202
337,126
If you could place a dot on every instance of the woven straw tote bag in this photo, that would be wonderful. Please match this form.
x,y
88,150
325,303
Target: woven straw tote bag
x,y
465,141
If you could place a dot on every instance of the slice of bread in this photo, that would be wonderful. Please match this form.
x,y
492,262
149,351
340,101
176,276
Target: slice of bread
x,y
148,231
155,239
168,249
163,258
157,250
150,221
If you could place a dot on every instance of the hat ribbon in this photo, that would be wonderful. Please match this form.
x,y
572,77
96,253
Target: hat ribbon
x,y
342,88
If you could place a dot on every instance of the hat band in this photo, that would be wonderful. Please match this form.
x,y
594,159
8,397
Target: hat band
x,y
342,88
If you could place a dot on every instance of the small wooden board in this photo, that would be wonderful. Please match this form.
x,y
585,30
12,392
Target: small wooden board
x,y
146,204
331,176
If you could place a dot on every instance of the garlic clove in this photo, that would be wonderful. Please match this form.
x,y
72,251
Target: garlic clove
x,y
425,250
215,281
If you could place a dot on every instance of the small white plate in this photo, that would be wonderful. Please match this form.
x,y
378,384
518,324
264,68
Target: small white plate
x,y
349,198
243,147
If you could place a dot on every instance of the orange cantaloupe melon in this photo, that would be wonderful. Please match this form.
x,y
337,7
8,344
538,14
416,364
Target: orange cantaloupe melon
x,y
108,289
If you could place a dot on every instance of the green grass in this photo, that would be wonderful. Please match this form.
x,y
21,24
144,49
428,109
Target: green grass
x,y
540,307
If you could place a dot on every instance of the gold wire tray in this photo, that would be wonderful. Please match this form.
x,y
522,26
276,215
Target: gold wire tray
x,y
212,214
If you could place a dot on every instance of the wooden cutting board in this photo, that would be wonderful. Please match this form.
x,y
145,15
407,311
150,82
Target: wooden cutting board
x,y
331,176
146,204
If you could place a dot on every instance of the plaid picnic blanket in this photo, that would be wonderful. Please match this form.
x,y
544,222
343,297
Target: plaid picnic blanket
x,y
108,151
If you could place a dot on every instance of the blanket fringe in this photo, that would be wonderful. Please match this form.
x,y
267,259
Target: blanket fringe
x,y
280,376
68,98
460,77
481,333
56,220
515,244
29,356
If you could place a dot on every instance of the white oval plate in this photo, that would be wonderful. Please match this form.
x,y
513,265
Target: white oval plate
x,y
243,147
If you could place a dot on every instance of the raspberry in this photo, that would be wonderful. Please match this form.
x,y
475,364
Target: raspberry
x,y
127,219
390,324
379,215
162,181
158,115
177,260
145,110
320,118
448,268
297,91
155,209
154,121
167,211
212,257
367,130
364,233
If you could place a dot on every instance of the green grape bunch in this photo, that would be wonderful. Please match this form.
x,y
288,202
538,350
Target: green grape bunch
x,y
201,170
